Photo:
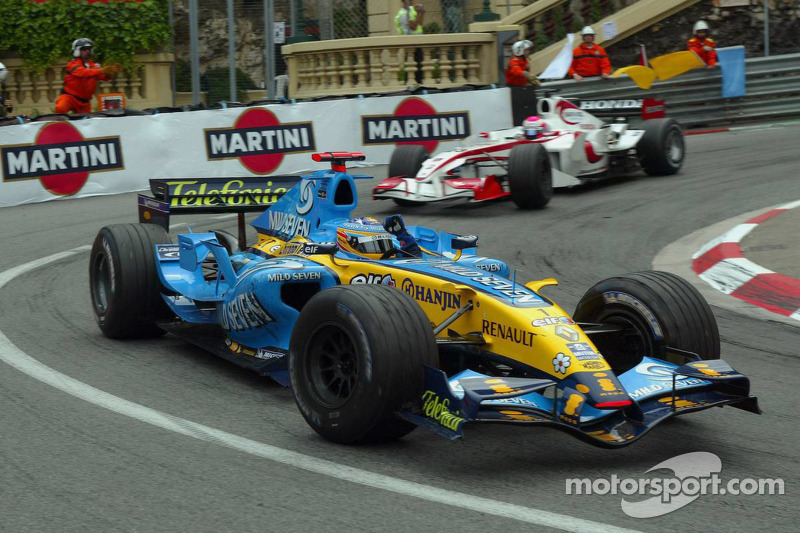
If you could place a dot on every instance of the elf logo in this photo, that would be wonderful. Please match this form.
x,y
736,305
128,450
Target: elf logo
x,y
61,158
415,121
259,141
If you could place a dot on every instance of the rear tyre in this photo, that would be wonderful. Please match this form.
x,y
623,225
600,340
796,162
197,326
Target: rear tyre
x,y
530,176
656,310
356,357
123,280
406,161
661,149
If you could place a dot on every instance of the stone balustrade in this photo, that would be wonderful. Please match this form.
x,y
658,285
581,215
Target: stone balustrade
x,y
387,64
36,93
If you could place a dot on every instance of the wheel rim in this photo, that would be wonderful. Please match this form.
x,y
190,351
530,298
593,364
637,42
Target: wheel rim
x,y
333,367
674,146
101,288
626,349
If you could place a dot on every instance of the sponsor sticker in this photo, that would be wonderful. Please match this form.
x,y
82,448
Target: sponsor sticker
x,y
373,279
582,351
415,121
242,313
167,252
61,158
551,321
509,333
259,141
439,410
442,299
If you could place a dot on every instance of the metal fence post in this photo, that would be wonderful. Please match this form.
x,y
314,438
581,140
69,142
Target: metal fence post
x,y
193,50
269,46
231,52
172,50
766,28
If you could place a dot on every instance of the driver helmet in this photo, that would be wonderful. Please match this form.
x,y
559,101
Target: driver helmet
x,y
533,127
77,44
3,73
365,237
519,47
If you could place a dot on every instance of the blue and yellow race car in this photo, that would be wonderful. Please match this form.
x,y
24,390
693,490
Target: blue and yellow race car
x,y
380,327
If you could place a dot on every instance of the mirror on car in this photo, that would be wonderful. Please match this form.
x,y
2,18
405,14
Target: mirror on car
x,y
462,242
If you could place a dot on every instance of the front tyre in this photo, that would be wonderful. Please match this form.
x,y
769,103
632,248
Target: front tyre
x,y
123,281
406,161
653,310
357,356
530,176
661,149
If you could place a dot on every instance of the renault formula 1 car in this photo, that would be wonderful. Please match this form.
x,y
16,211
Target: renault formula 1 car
x,y
576,147
380,327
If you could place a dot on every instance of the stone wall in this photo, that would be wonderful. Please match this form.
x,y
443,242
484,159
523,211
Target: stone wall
x,y
730,26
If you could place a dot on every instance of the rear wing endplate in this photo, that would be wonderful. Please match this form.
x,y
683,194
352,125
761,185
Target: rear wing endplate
x,y
212,195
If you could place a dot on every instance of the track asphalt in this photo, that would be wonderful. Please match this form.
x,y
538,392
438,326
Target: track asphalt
x,y
156,435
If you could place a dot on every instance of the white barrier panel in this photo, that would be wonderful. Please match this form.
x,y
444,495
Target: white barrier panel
x,y
48,160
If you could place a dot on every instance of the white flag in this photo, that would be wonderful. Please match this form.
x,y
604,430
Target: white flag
x,y
559,66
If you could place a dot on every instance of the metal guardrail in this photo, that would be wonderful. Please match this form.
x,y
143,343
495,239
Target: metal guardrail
x,y
695,99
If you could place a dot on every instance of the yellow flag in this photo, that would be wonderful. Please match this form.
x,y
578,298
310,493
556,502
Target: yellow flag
x,y
671,65
641,76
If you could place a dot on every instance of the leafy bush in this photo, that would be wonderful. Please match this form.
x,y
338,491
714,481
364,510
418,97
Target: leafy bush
x,y
219,85
42,33
431,28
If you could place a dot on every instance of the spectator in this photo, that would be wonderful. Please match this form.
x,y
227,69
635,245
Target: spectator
x,y
6,106
409,19
703,45
80,82
517,73
589,59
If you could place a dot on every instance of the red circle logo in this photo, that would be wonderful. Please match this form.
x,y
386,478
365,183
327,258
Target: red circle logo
x,y
259,118
417,106
59,133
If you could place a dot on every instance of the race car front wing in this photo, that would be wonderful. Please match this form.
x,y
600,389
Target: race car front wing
x,y
659,390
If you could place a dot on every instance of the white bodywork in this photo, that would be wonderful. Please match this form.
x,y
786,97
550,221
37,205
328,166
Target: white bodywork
x,y
579,145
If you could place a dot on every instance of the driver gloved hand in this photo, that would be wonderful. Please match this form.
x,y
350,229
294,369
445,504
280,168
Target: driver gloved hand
x,y
394,224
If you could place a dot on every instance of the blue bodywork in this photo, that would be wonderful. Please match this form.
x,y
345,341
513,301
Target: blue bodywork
x,y
240,310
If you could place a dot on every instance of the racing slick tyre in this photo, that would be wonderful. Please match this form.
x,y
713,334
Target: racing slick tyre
x,y
655,310
123,281
406,161
356,357
662,148
530,176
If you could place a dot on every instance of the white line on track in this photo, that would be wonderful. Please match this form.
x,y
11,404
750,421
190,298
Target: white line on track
x,y
26,364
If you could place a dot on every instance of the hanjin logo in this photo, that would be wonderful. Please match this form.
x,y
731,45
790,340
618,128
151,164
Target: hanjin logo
x,y
61,158
415,121
259,140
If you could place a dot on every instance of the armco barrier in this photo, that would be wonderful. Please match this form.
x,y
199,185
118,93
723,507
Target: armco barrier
x,y
695,98
50,158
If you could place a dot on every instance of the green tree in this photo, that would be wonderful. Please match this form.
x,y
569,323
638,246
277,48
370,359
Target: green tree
x,y
42,33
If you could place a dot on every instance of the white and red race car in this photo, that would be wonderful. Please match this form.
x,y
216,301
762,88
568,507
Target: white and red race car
x,y
576,147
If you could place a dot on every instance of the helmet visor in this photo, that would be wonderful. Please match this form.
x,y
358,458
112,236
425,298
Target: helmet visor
x,y
371,244
532,132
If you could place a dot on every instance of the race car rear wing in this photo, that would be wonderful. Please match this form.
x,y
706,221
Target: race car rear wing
x,y
211,195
